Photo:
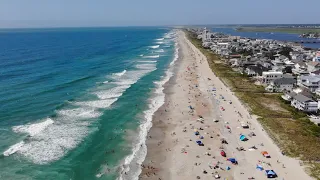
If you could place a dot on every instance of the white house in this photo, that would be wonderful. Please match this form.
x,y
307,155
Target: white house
x,y
313,66
317,57
281,85
288,96
312,82
304,103
269,76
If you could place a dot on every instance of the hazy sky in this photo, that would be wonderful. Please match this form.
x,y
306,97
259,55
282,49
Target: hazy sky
x,y
65,13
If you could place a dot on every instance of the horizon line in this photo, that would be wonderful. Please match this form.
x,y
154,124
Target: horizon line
x,y
111,26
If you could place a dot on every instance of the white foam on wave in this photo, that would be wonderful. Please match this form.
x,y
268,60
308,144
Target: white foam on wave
x,y
160,42
139,150
110,93
120,73
79,113
176,55
53,138
13,149
160,39
50,141
159,51
154,47
141,55
97,103
33,129
147,61
152,57
146,66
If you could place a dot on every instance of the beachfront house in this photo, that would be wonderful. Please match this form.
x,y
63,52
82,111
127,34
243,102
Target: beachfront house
x,y
300,68
281,85
312,82
315,72
313,66
317,57
255,70
288,96
304,104
269,76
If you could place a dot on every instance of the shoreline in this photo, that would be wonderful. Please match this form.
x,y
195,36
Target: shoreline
x,y
131,166
171,149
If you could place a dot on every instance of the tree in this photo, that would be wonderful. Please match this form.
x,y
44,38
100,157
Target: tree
x,y
286,52
287,69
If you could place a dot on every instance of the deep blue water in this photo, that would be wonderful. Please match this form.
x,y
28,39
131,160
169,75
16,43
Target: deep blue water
x,y
265,35
70,98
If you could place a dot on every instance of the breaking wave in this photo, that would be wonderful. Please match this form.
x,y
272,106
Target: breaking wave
x,y
120,73
159,51
132,163
52,138
154,47
155,56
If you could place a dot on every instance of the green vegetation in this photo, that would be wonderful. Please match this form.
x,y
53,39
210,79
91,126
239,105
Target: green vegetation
x,y
284,30
290,129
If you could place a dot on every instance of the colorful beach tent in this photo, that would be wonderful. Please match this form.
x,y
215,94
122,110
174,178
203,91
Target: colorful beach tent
x,y
265,154
243,137
259,167
232,160
271,174
199,143
223,153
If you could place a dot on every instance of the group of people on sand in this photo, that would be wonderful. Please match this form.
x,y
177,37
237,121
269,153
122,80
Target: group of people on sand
x,y
205,160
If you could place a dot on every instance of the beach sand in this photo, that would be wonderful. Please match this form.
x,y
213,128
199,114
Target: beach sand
x,y
172,149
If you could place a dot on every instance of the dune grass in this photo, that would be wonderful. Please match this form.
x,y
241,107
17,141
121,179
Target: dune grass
x,y
290,129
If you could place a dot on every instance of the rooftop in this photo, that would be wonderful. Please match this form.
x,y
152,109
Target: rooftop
x,y
302,98
272,73
284,81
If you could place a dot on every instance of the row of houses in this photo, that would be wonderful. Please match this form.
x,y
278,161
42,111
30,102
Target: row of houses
x,y
279,66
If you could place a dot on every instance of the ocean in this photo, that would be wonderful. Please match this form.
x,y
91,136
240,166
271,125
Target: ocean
x,y
76,103
265,35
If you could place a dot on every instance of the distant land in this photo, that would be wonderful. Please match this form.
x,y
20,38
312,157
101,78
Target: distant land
x,y
291,28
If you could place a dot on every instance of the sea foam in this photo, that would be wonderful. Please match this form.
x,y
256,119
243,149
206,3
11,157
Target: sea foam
x,y
152,57
51,139
33,129
139,150
154,47
120,73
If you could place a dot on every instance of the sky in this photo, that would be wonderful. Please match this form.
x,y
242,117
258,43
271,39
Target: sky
x,y
87,13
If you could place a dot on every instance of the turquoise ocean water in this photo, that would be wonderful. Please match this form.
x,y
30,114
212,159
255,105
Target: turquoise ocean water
x,y
76,103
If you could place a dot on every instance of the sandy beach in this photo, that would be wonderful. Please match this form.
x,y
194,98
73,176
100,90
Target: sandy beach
x,y
199,107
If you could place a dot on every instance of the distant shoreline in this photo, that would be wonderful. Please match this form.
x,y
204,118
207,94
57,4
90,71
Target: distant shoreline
x,y
290,30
